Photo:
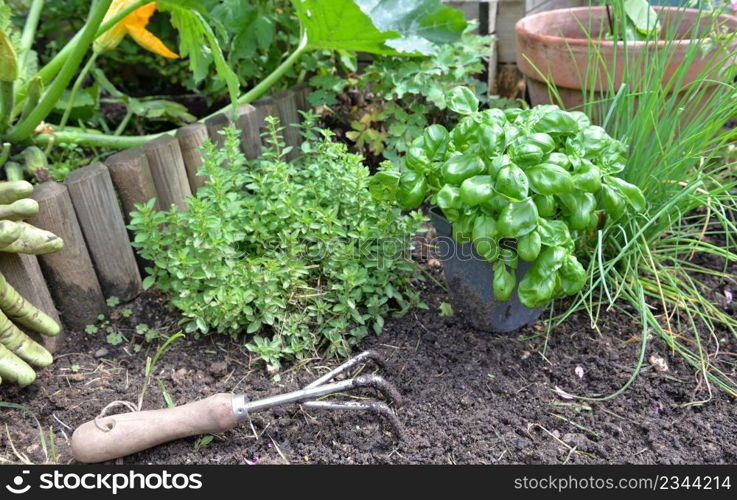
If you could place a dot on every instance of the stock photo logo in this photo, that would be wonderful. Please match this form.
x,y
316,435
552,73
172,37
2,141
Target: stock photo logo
x,y
113,483
18,485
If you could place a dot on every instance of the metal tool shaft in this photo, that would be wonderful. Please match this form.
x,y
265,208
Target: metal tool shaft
x,y
242,407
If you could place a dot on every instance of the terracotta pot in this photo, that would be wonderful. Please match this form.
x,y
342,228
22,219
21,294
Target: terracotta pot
x,y
554,43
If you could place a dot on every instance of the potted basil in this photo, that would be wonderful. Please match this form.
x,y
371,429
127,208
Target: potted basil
x,y
517,195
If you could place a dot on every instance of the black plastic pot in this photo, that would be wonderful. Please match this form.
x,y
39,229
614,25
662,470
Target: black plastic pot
x,y
470,280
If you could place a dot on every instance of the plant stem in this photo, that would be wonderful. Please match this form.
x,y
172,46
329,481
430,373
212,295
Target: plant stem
x,y
50,70
82,138
29,31
25,128
76,136
265,84
75,88
53,66
4,153
124,123
6,104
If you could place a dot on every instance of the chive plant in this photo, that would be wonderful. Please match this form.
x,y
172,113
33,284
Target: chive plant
x,y
664,262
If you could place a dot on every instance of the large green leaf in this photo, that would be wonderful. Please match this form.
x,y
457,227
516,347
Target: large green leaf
x,y
642,16
198,41
379,26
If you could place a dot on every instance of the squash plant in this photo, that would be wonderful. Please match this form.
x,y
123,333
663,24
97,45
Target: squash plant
x,y
540,181
29,94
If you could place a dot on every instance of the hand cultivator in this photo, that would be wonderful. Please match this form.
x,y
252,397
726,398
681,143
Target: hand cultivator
x,y
106,438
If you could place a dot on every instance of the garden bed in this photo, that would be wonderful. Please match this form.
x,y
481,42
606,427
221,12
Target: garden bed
x,y
469,397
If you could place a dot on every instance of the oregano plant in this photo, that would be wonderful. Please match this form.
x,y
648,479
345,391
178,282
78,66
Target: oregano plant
x,y
297,255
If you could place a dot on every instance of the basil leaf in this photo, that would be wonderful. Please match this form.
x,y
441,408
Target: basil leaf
x,y
504,281
557,122
477,189
545,205
549,261
549,179
572,275
517,219
537,290
491,139
460,167
560,159
613,201
509,257
630,191
449,201
512,182
528,246
554,233
587,177
435,142
463,228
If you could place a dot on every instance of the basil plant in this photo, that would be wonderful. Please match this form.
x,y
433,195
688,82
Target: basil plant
x,y
537,181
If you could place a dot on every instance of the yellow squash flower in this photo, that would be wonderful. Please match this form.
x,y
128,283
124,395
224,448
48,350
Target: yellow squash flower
x,y
134,24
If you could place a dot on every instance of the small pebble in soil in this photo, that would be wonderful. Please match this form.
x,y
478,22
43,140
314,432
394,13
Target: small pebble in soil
x,y
101,353
659,363
219,368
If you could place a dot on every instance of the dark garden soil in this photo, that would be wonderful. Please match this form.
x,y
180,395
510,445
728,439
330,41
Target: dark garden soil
x,y
469,397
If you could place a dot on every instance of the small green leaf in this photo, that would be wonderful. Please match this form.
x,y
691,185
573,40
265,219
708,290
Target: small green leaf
x,y
463,101
503,283
554,233
148,282
446,309
572,275
485,237
613,201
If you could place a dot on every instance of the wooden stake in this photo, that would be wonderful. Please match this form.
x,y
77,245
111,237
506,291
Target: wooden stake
x,y
168,171
95,203
132,178
286,107
250,123
69,273
300,97
190,139
215,124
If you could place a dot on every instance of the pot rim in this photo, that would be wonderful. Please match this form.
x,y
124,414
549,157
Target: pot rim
x,y
522,31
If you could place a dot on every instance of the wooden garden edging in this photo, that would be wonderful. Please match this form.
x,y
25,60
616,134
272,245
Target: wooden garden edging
x,y
90,210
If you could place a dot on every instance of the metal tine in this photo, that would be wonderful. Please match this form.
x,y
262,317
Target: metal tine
x,y
359,358
308,393
377,407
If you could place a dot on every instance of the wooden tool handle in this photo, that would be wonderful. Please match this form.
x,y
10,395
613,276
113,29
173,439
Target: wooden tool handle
x,y
132,432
